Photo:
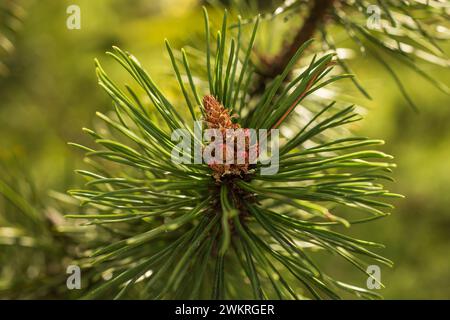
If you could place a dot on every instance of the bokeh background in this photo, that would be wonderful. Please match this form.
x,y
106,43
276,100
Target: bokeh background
x,y
50,92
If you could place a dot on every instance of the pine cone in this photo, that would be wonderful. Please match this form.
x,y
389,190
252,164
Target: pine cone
x,y
218,117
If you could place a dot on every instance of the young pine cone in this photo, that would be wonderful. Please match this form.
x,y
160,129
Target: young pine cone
x,y
218,117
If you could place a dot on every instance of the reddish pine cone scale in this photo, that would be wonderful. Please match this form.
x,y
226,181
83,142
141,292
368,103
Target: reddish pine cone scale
x,y
218,117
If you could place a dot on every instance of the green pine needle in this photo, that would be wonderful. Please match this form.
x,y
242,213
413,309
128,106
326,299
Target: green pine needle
x,y
252,236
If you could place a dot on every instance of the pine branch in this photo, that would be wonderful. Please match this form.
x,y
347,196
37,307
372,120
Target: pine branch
x,y
397,33
276,65
33,248
172,228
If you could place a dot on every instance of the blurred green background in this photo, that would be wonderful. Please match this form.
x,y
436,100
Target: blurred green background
x,y
51,92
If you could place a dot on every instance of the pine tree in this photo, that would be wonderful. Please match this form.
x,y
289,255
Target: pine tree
x,y
150,228
196,230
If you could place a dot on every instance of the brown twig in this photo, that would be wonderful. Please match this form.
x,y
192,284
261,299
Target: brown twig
x,y
276,65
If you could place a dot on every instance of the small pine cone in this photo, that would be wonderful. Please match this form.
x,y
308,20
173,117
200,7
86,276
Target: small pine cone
x,y
218,117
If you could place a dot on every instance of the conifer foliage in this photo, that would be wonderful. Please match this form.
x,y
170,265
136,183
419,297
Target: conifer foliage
x,y
177,230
